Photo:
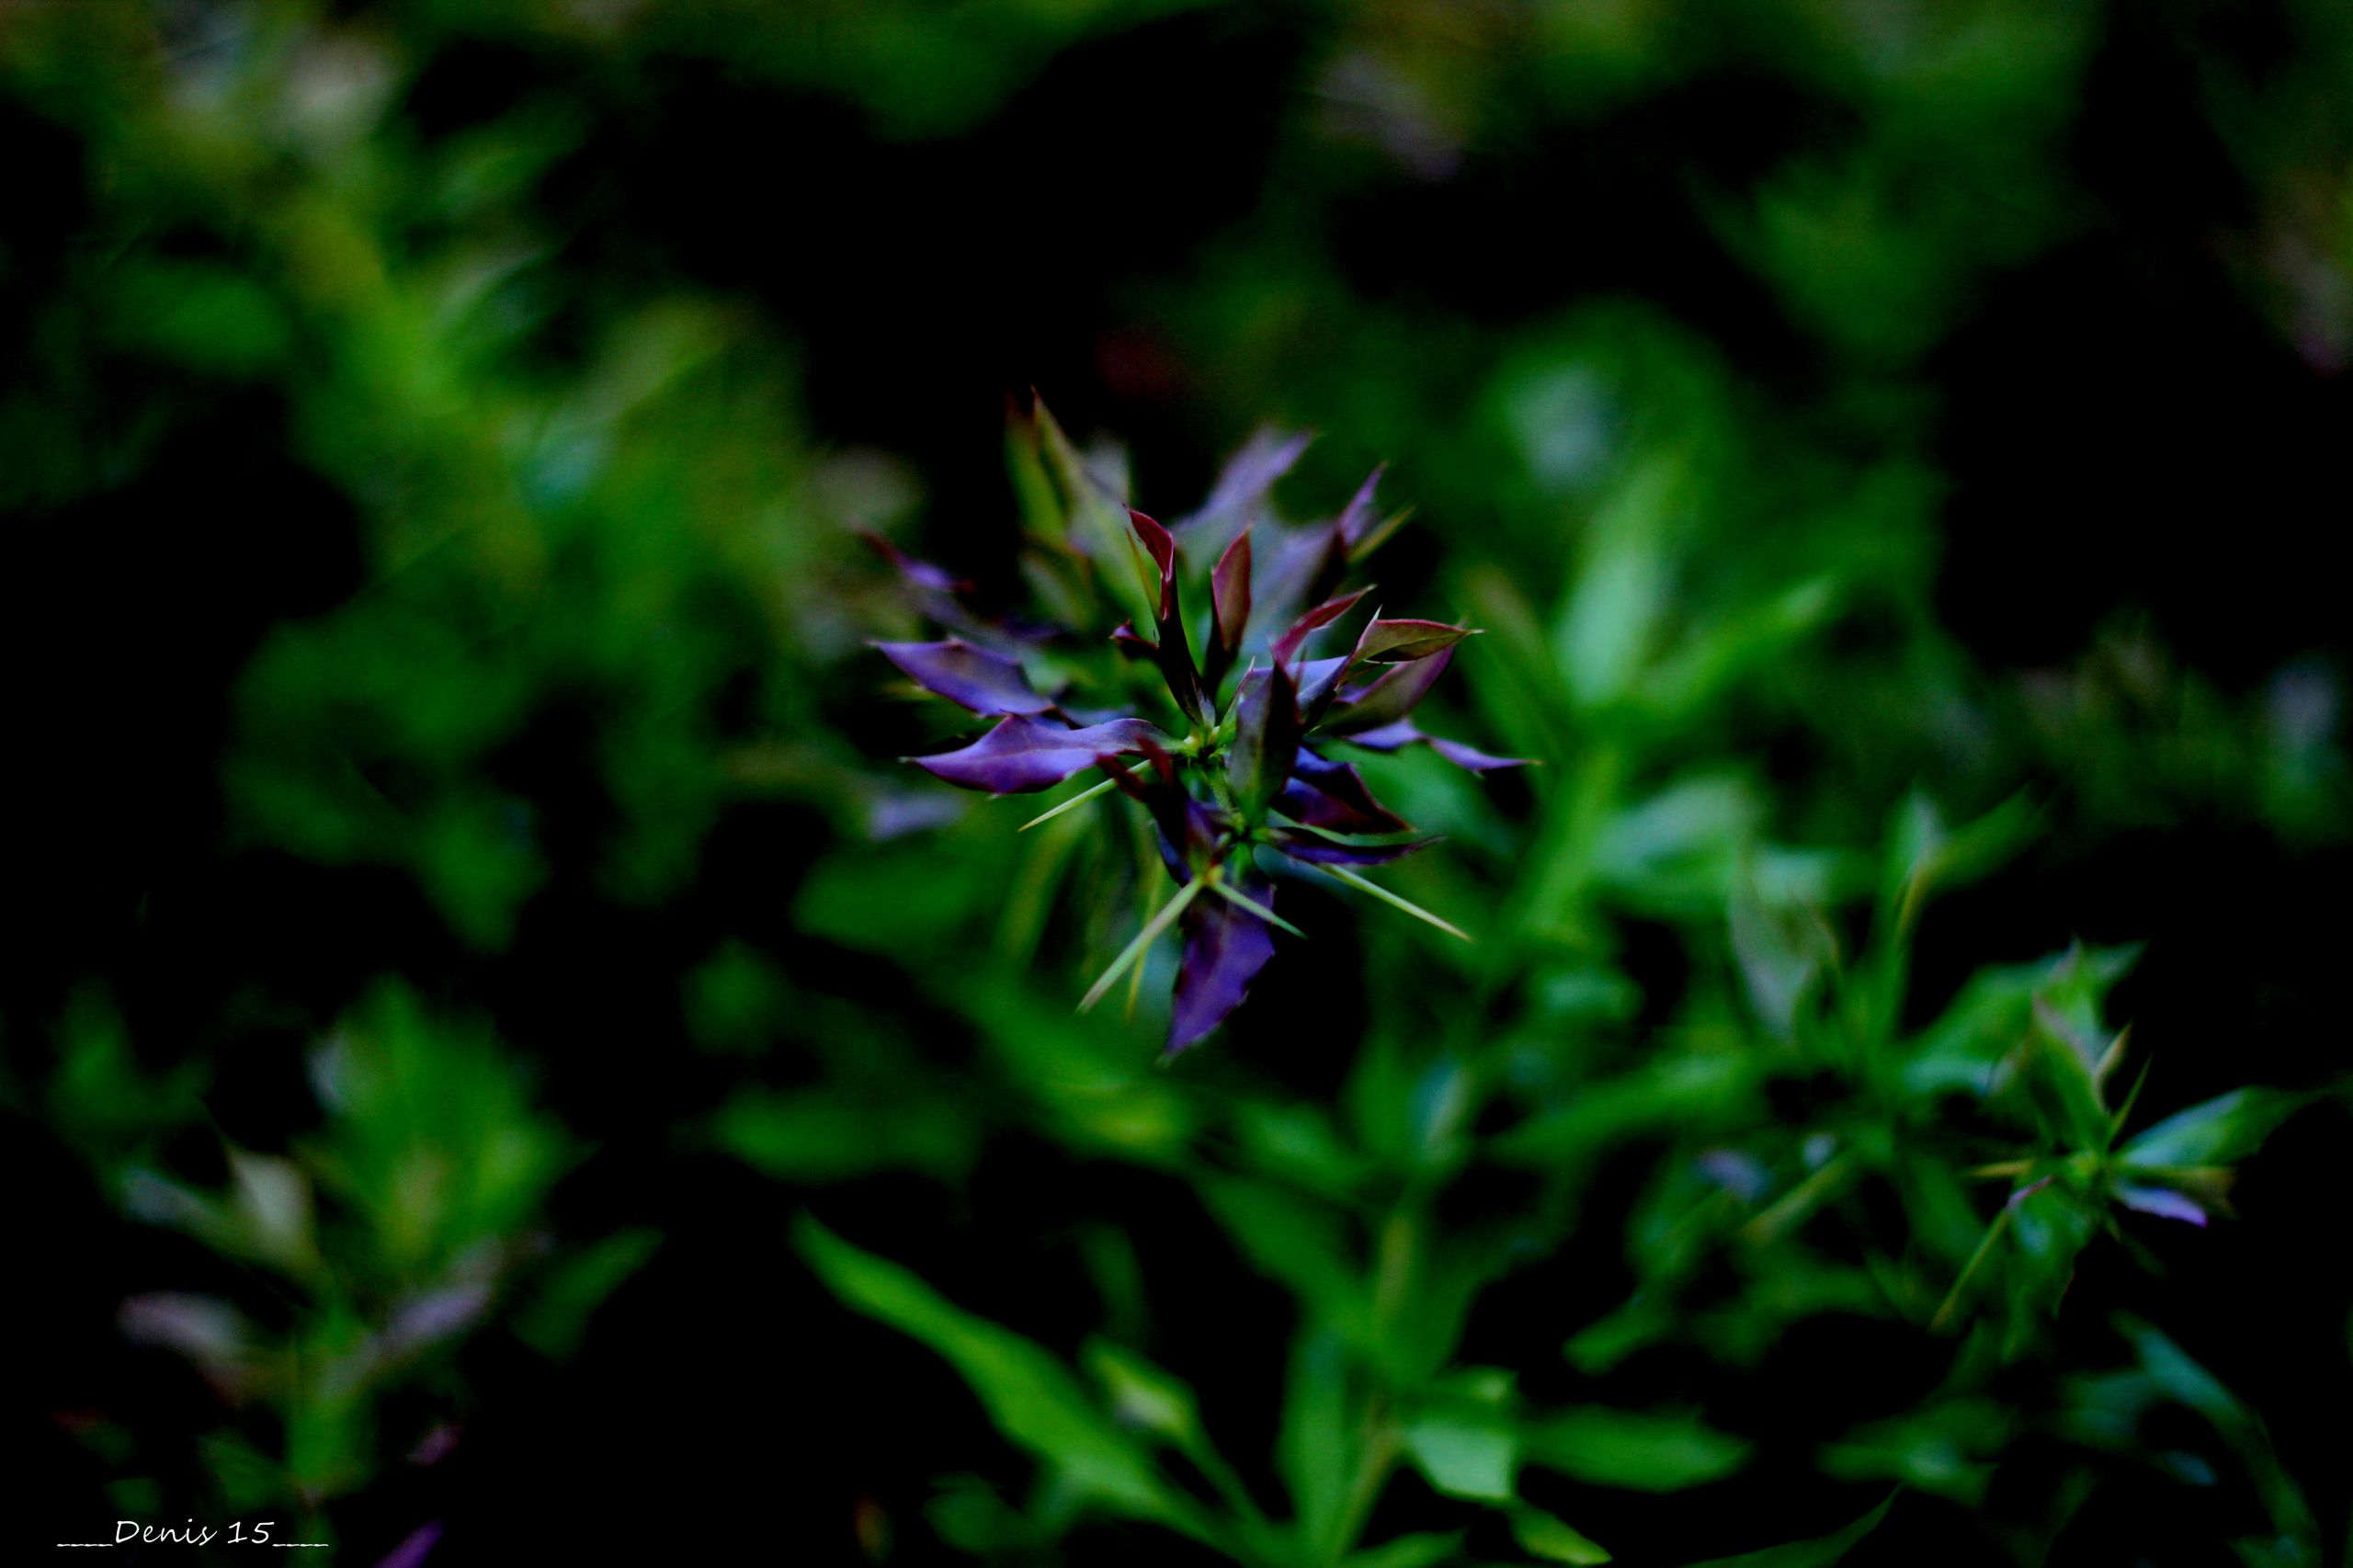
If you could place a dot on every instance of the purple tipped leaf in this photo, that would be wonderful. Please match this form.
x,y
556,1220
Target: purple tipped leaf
x,y
922,573
1225,947
1333,797
1124,638
969,677
1318,679
1319,848
1239,498
1403,733
1356,518
1023,753
1288,645
1470,759
1229,609
1188,830
1402,642
1175,656
1388,698
1266,740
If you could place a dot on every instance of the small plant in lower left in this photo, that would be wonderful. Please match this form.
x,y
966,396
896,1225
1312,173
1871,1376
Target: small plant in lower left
x,y
368,1252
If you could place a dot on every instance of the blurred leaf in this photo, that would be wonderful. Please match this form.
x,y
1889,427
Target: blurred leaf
x,y
2221,1131
1543,1535
1032,1397
1465,1453
1819,1552
1621,1448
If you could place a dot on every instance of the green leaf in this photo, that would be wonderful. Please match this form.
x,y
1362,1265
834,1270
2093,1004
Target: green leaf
x,y
2225,1130
1465,1453
1033,1399
1316,1448
1543,1535
1819,1552
1639,1452
1424,1551
1144,1395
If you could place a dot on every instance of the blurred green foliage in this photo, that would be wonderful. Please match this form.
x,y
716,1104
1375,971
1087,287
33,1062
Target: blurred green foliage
x,y
448,522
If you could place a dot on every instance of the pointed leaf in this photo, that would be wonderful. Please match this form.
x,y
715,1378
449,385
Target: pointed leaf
x,y
1033,1399
1388,698
922,573
971,677
1357,518
1402,642
1545,1535
1229,609
1174,654
1333,797
1638,1453
1318,848
2223,1129
1401,734
1266,741
1464,1453
1025,753
1095,514
1819,1552
1225,947
1288,645
1239,498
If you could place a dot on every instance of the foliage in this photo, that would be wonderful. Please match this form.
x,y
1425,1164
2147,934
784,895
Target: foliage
x,y
458,843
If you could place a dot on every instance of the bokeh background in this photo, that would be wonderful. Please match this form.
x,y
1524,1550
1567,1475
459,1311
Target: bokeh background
x,y
468,910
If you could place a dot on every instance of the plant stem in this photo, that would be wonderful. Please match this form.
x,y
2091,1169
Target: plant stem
x,y
1386,896
1135,949
1228,892
1073,803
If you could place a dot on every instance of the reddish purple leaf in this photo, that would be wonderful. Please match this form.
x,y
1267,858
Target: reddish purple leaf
x,y
1388,698
922,573
1176,657
1318,678
1023,753
1225,947
971,677
1402,641
1124,638
1333,797
1188,830
1266,740
1288,644
1229,609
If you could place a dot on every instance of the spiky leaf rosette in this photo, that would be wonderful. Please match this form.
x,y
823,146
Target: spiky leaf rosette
x,y
1237,773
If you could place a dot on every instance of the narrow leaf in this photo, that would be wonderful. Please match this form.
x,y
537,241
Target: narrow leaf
x,y
1225,947
969,677
1033,1399
1266,741
1023,754
1402,642
1229,609
1290,641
